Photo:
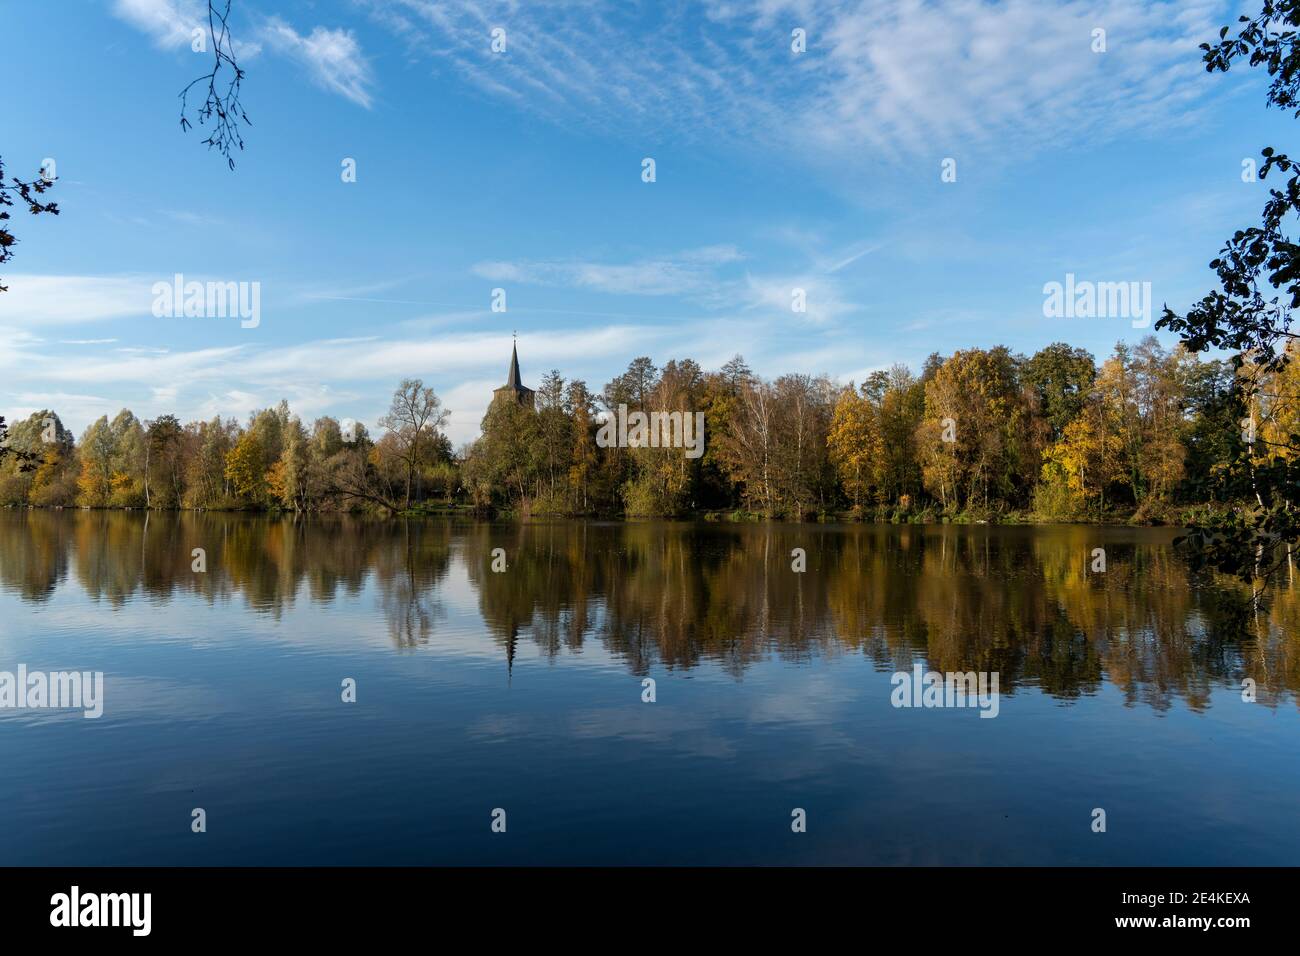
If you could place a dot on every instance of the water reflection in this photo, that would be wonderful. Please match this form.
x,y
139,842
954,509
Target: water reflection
x,y
1019,601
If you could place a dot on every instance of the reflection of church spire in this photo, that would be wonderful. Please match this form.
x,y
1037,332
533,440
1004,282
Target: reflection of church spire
x,y
511,642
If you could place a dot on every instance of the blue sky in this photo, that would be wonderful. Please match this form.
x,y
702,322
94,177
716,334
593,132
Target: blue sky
x,y
522,170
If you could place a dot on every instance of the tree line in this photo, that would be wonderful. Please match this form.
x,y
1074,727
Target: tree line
x,y
982,434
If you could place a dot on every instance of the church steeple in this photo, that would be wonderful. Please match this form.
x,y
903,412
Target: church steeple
x,y
514,388
512,381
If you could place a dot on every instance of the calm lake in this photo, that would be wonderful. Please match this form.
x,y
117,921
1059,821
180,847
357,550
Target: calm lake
x,y
522,690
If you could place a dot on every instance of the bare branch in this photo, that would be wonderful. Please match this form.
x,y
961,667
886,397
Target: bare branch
x,y
222,104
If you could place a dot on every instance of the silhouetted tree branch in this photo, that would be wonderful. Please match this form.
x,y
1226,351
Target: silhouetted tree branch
x,y
27,192
1251,315
26,460
222,102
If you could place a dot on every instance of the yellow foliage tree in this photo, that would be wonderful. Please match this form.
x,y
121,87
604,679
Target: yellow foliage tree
x,y
92,487
854,444
1088,456
244,469
277,482
1275,411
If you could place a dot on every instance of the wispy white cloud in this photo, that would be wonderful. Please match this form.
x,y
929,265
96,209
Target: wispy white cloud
x,y
346,377
332,58
688,273
172,24
700,276
36,300
898,78
848,257
821,296
937,77
353,377
360,292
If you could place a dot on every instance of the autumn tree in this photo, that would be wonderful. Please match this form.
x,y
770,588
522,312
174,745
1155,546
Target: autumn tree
x,y
246,470
750,447
1083,462
900,408
804,405
415,419
855,445
1061,378
40,466
1143,389
719,397
206,481
165,449
504,461
97,452
975,440
555,434
583,451
662,478
287,478
355,475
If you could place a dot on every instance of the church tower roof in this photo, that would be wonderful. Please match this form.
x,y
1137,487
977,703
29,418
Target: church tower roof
x,y
514,388
512,381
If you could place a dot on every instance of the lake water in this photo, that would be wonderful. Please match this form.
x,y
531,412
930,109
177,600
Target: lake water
x,y
522,690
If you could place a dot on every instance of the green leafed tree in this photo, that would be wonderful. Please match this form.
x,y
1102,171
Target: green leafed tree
x,y
1254,525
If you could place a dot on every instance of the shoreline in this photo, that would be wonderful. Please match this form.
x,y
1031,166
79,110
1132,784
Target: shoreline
x,y
709,517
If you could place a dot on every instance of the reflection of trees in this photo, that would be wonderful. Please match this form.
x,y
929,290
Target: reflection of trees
x,y
1274,660
1020,601
548,587
986,606
269,563
409,566
33,552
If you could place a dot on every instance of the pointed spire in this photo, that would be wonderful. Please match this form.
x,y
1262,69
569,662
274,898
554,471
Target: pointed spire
x,y
514,388
513,380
